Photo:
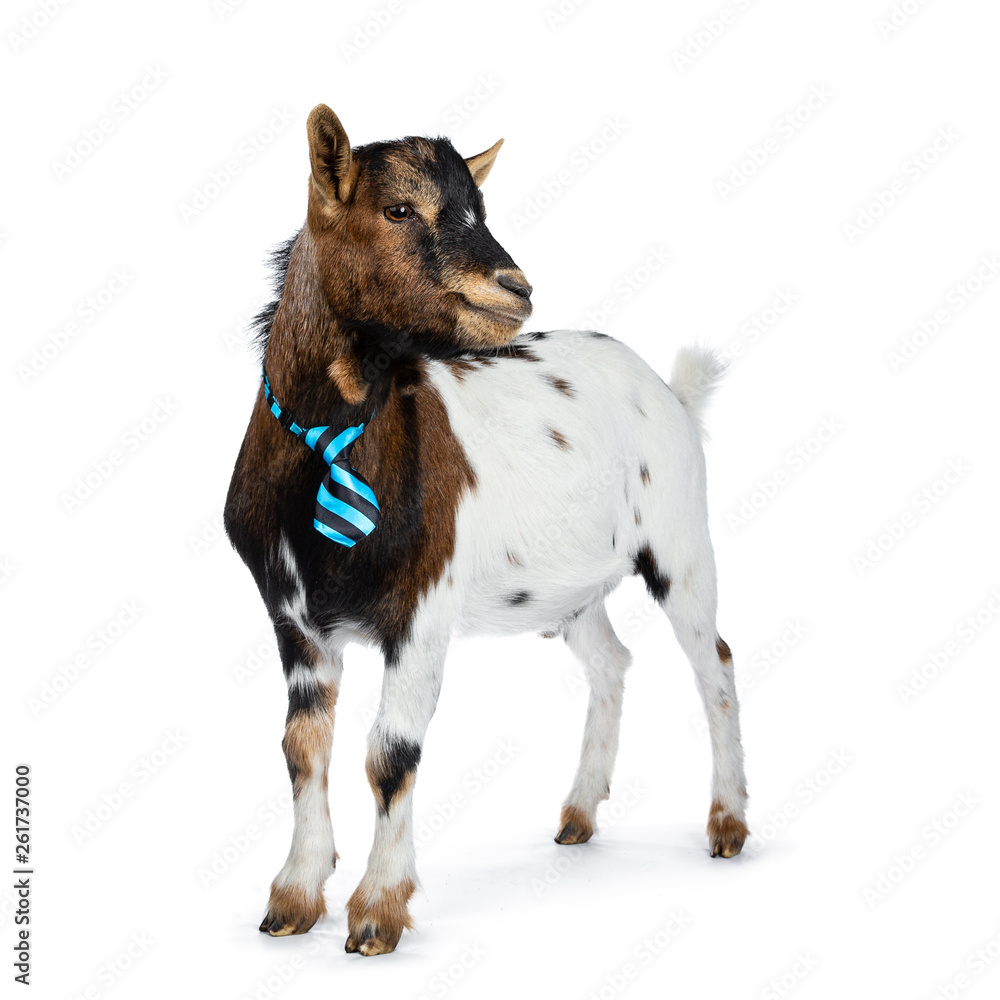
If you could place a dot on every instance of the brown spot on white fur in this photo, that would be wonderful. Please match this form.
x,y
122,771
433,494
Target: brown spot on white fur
x,y
557,382
726,833
575,826
559,439
460,367
376,918
725,654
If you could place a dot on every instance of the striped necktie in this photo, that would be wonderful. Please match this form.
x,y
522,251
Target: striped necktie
x,y
346,508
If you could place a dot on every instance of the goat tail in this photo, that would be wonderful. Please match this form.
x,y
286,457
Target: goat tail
x,y
697,372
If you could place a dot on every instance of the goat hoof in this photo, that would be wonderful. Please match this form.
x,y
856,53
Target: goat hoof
x,y
291,911
376,918
574,826
371,941
726,833
282,926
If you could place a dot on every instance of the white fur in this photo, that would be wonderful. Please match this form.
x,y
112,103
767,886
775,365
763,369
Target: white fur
x,y
697,372
557,511
311,857
605,660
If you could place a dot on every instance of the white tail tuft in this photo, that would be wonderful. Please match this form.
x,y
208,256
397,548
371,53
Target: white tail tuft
x,y
697,371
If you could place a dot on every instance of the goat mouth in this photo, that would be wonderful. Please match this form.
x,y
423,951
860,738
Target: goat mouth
x,y
514,315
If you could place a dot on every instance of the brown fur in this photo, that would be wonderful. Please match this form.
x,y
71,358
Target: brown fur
x,y
559,439
448,476
330,155
291,910
304,336
345,370
726,833
460,367
372,270
308,736
557,382
574,826
375,926
725,654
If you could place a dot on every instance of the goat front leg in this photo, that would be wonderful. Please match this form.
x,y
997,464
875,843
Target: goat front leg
x,y
296,901
378,910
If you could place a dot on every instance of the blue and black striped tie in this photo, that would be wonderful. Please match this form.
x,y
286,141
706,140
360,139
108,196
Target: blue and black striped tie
x,y
346,508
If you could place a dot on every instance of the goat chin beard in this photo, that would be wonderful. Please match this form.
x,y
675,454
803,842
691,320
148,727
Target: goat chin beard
x,y
482,329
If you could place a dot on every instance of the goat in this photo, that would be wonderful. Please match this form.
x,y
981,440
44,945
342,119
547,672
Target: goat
x,y
515,481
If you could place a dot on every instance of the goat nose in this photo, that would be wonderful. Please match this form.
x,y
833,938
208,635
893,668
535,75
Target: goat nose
x,y
515,283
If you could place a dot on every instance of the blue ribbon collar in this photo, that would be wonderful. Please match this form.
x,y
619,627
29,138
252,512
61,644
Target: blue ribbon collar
x,y
346,508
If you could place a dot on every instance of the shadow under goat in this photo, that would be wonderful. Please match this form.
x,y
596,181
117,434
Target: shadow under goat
x,y
414,468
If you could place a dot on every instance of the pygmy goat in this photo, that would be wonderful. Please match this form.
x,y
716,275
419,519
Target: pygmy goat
x,y
414,468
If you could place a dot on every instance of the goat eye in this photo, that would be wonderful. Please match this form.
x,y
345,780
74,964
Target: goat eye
x,y
398,213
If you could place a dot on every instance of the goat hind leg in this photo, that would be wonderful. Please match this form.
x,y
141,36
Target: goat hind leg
x,y
690,606
592,639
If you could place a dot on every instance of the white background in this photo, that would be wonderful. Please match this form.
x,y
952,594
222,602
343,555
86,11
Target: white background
x,y
859,764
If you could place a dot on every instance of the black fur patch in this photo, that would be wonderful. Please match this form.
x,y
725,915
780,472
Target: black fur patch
x,y
657,583
514,350
517,598
260,326
400,757
301,700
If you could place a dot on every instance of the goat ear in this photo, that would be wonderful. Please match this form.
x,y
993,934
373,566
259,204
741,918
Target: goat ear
x,y
329,154
481,165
